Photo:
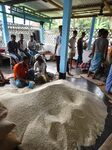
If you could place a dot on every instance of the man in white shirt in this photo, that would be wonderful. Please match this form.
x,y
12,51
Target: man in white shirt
x,y
40,65
72,46
58,51
58,48
32,46
22,45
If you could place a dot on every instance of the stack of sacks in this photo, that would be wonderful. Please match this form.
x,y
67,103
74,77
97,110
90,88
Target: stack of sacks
x,y
55,116
8,139
107,144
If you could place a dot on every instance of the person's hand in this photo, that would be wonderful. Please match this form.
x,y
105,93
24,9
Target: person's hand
x,y
27,82
91,54
69,46
54,54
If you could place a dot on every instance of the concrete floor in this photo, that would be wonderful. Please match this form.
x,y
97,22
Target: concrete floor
x,y
87,85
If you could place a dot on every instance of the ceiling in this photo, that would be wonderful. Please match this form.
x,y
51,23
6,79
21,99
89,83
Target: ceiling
x,y
54,8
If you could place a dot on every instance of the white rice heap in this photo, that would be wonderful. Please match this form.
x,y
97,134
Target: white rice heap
x,y
55,116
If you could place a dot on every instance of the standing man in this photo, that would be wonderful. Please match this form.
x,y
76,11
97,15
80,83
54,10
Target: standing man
x,y
72,46
58,51
80,48
58,48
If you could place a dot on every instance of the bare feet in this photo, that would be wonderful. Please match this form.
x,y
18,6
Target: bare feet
x,y
88,74
93,76
72,68
70,74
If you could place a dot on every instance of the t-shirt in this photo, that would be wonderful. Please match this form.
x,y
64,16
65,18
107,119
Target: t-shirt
x,y
22,45
72,42
32,45
12,47
40,68
80,45
20,70
100,44
58,42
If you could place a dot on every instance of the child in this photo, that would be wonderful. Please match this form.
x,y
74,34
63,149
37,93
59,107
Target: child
x,y
72,44
80,47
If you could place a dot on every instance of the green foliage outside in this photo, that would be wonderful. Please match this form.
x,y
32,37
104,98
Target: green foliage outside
x,y
84,23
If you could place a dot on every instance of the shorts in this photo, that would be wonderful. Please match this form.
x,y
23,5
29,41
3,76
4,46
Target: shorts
x,y
72,54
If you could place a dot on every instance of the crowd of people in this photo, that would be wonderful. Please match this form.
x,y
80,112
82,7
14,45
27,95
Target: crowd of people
x,y
30,65
72,46
100,57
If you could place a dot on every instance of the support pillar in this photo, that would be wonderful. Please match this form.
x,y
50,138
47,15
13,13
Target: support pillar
x,y
91,32
42,32
13,20
65,37
4,25
50,26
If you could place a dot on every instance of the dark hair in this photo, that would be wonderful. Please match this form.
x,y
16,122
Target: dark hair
x,y
106,32
83,33
21,34
60,27
75,31
13,36
100,32
31,36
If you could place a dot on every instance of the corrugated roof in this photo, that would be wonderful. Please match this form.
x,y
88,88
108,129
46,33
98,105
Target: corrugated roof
x,y
54,8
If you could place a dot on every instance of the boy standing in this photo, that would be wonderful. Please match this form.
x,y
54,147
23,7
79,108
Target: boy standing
x,y
80,48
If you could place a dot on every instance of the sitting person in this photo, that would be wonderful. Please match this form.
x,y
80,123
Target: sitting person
x,y
13,49
22,45
41,75
22,74
40,68
32,46
3,81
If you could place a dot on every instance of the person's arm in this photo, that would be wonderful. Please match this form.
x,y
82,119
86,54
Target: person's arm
x,y
93,50
56,48
56,45
106,50
78,47
9,47
3,79
69,44
36,69
43,71
109,55
19,46
29,45
25,46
